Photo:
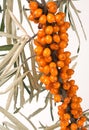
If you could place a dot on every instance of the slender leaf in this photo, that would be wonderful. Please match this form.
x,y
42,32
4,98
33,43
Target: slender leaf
x,y
13,119
6,47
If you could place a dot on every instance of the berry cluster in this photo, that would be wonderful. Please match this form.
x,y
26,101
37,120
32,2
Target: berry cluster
x,y
53,62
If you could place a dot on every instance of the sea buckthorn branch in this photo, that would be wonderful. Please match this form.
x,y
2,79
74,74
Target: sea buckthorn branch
x,y
53,62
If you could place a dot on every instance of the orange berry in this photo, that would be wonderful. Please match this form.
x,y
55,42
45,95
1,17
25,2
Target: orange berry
x,y
42,62
33,5
67,53
67,100
42,19
54,46
72,82
62,44
52,7
53,78
36,42
53,91
67,61
31,17
64,76
48,59
56,28
57,98
66,86
58,17
46,80
60,64
56,85
40,68
74,87
56,38
74,105
39,50
64,36
66,116
63,28
80,123
73,126
46,69
74,112
67,25
46,52
37,13
70,72
62,57
42,78
75,98
50,18
38,58
41,33
52,65
48,39
54,72
64,69
42,40
49,30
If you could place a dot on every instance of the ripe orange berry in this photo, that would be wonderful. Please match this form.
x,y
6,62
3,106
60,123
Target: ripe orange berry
x,y
42,40
37,13
50,18
46,80
64,36
49,30
56,28
48,59
67,25
31,17
53,91
66,86
52,65
70,72
41,33
33,5
74,105
80,123
67,61
64,76
62,57
74,112
56,85
56,38
54,46
62,28
42,19
46,69
62,44
57,98
46,52
54,71
66,116
67,53
58,18
53,78
48,39
60,64
39,50
73,126
42,62
52,6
